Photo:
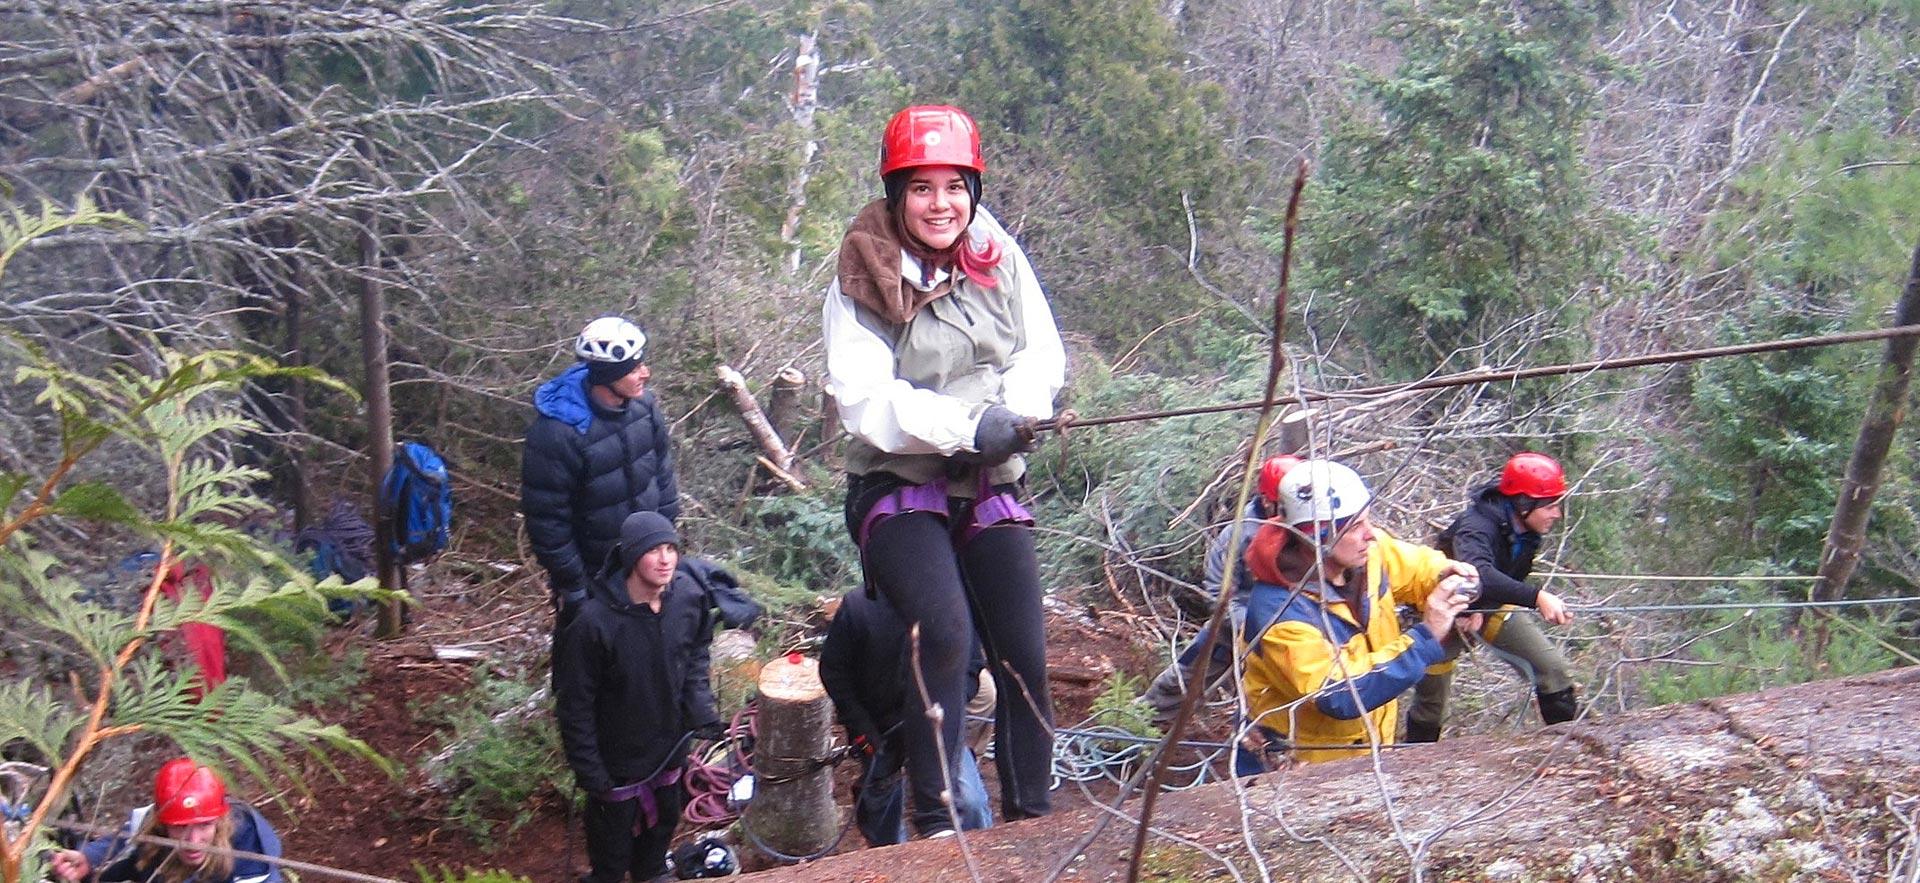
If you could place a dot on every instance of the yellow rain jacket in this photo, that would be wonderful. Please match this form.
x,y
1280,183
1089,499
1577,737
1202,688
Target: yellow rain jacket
x,y
1318,670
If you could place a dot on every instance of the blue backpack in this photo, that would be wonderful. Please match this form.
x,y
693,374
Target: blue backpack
x,y
418,495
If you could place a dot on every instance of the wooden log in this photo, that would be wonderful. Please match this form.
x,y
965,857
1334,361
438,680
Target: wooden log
x,y
792,809
756,420
1295,428
783,403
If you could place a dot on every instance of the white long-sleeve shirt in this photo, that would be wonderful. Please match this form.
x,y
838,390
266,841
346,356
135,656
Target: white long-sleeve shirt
x,y
891,414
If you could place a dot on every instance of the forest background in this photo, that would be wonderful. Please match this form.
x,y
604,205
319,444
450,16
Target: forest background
x,y
1493,184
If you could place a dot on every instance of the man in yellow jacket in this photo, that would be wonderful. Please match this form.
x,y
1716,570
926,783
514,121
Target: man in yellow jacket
x,y
1326,656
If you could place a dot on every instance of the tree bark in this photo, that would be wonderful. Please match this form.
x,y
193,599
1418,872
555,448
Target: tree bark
x,y
756,420
783,404
792,809
1885,410
373,349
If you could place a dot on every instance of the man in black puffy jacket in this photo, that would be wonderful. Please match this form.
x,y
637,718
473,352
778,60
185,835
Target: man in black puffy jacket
x,y
597,452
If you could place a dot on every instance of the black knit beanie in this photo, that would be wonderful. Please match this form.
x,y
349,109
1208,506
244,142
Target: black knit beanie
x,y
640,533
604,373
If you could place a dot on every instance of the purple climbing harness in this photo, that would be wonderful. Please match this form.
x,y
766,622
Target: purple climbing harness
x,y
989,508
649,814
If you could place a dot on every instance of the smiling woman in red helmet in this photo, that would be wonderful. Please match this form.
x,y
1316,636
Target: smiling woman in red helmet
x,y
941,353
190,805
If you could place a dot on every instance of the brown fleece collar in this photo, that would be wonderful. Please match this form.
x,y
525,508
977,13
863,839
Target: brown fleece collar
x,y
870,268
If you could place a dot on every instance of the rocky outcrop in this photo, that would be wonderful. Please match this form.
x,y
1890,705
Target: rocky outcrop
x,y
1812,782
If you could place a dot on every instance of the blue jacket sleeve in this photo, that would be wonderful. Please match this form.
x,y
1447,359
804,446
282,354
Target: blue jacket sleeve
x,y
1367,690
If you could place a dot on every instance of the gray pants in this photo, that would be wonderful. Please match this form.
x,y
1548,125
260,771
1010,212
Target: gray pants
x,y
1522,646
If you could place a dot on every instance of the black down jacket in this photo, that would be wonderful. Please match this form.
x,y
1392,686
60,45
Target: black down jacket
x,y
1485,537
584,469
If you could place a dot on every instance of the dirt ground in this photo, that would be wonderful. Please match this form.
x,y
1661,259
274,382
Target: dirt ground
x,y
370,822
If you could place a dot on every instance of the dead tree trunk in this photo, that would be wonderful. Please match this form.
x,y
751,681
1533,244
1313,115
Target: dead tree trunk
x,y
783,404
373,351
778,456
792,809
1885,410
804,101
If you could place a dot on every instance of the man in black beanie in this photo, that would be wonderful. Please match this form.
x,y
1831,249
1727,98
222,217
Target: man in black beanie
x,y
632,687
597,452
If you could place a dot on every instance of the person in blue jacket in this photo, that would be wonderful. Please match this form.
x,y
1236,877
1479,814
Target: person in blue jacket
x,y
596,452
189,805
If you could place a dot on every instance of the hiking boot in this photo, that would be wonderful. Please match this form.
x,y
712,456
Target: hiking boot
x,y
1558,708
1421,731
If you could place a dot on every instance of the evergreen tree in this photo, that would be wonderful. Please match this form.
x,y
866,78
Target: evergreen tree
x,y
1461,206
1099,143
1813,242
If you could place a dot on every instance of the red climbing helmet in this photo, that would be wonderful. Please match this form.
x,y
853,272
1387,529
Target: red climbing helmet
x,y
1533,475
1270,474
931,135
186,793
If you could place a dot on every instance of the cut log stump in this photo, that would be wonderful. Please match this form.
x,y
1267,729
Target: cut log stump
x,y
792,809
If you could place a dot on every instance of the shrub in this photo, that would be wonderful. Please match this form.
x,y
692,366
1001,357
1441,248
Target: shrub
x,y
501,757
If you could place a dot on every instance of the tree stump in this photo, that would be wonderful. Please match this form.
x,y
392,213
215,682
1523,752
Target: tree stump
x,y
783,405
792,809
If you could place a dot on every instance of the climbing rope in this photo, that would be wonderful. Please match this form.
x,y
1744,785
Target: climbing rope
x,y
1509,375
1726,605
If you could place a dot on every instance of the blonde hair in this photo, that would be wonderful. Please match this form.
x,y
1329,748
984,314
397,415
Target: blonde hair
x,y
216,867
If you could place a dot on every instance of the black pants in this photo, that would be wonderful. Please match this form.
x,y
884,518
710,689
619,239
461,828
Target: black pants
x,y
614,850
994,581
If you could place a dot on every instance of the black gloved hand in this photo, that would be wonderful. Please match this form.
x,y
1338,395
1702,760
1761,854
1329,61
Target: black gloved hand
x,y
1000,435
712,731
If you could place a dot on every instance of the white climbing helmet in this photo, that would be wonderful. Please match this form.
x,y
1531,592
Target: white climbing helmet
x,y
1322,490
611,339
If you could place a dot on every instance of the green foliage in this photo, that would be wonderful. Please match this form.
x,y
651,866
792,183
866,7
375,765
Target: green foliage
x,y
1098,143
1118,705
317,679
18,228
1463,206
800,546
1127,482
1813,242
1765,648
467,875
502,757
172,424
1095,86
1771,432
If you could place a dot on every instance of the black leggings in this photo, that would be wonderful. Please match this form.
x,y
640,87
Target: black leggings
x,y
994,581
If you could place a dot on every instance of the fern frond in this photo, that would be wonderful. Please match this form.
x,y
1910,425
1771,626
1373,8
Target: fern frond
x,y
18,228
233,720
30,714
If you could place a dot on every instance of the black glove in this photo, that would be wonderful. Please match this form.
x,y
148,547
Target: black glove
x,y
1000,435
712,731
